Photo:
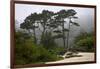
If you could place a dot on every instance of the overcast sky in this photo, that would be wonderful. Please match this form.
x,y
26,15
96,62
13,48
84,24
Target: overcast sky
x,y
85,15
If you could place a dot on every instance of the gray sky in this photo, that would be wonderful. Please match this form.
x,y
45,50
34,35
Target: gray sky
x,y
85,15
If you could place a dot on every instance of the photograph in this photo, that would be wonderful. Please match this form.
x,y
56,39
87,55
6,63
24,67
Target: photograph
x,y
47,33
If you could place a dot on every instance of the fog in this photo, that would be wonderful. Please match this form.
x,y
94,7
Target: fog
x,y
85,18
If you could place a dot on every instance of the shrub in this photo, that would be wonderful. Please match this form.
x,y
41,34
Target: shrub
x,y
85,44
27,52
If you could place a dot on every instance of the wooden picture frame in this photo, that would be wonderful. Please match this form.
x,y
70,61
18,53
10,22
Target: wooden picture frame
x,y
13,39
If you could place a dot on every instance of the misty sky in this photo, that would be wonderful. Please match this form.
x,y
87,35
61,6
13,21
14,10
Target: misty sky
x,y
85,15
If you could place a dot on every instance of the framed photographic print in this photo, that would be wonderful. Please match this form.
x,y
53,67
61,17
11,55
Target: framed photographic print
x,y
50,34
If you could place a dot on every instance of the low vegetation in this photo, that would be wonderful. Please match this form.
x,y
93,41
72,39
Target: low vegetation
x,y
27,52
85,42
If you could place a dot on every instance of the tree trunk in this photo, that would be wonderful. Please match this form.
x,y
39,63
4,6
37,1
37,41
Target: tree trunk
x,y
35,40
63,34
43,35
68,36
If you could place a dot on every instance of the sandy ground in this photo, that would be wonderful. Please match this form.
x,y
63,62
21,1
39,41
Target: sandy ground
x,y
84,57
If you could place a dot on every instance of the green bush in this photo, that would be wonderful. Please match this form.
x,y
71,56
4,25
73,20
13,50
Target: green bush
x,y
85,44
27,52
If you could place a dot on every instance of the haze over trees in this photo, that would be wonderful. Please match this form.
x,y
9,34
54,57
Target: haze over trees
x,y
50,23
51,26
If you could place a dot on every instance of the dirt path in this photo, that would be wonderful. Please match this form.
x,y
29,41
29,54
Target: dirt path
x,y
84,57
